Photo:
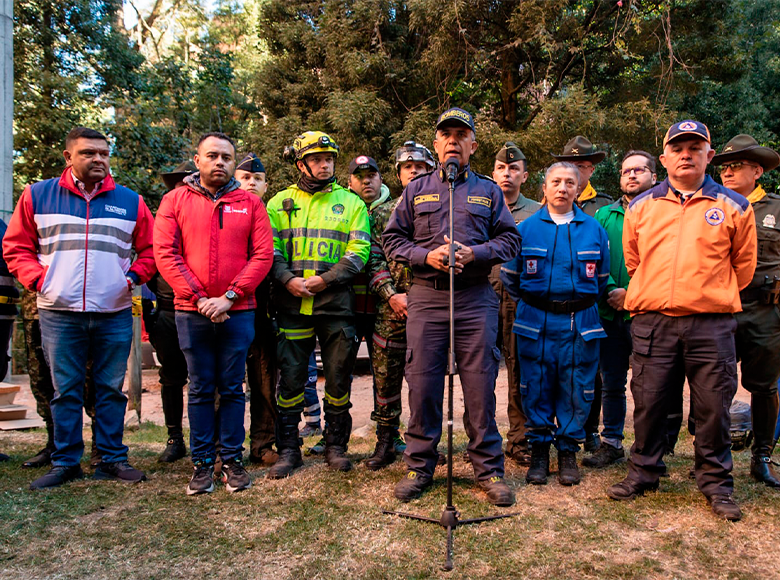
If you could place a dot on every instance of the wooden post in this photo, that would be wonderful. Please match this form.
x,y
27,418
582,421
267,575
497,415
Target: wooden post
x,y
134,362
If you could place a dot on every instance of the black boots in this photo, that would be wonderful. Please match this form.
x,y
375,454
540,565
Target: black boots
x,y
540,464
764,410
384,454
174,450
289,447
338,428
568,472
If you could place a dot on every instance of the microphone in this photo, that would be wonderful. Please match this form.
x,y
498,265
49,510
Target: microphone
x,y
452,167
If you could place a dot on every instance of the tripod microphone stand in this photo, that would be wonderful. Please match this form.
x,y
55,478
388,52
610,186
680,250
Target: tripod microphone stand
x,y
450,517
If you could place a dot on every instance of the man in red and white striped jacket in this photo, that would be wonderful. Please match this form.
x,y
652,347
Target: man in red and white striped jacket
x,y
71,240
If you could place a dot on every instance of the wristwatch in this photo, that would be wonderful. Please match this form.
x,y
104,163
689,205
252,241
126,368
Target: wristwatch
x,y
230,295
130,283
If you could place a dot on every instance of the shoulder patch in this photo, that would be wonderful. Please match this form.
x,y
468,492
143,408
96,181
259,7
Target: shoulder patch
x,y
427,197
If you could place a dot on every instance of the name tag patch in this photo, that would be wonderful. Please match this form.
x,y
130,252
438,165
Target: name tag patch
x,y
486,201
530,266
116,210
229,209
769,221
590,269
424,198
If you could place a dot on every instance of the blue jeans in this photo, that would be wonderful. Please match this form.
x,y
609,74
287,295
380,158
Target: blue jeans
x,y
615,355
69,340
216,358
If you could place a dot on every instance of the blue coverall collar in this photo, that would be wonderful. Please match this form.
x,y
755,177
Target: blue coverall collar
x,y
579,215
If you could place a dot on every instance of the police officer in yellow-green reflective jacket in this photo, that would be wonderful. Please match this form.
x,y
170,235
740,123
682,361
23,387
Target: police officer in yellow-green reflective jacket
x,y
321,241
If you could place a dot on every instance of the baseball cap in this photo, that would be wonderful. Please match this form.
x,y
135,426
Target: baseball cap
x,y
456,116
362,162
683,128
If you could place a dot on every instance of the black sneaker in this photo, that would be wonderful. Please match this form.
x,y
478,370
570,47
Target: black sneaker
x,y
498,492
203,479
311,430
40,459
119,471
57,476
174,450
234,476
604,455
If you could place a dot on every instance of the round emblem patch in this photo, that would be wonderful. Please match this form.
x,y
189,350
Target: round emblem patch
x,y
688,126
714,216
361,160
338,209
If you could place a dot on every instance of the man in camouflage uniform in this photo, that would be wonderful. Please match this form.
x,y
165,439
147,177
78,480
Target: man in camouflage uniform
x,y
386,286
42,387
510,171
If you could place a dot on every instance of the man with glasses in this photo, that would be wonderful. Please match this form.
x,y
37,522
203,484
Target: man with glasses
x,y
742,163
637,174
585,157
690,247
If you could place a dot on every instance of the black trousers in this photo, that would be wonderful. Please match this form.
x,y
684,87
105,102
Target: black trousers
x,y
262,376
666,350
173,368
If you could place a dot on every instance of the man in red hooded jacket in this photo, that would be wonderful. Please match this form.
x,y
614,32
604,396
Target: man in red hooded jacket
x,y
213,245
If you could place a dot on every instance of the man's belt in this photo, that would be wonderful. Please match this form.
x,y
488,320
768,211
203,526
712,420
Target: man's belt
x,y
444,283
558,306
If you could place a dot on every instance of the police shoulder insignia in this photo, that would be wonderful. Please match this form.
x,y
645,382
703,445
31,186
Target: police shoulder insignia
x,y
426,197
338,209
714,216
478,199
769,221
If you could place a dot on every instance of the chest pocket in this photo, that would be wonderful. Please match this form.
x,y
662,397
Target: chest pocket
x,y
480,219
535,268
425,217
768,244
587,279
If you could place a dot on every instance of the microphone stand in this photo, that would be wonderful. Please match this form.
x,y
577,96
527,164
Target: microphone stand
x,y
450,517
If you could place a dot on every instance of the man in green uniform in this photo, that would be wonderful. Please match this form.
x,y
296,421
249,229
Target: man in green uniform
x,y
387,282
742,162
321,241
510,171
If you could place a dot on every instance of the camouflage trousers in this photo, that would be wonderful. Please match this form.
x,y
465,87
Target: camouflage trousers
x,y
388,359
38,370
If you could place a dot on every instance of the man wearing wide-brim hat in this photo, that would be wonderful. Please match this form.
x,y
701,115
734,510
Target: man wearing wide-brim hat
x,y
742,162
584,155
175,178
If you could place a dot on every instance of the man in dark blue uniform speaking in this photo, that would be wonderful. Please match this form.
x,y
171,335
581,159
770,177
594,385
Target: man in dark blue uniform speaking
x,y
485,234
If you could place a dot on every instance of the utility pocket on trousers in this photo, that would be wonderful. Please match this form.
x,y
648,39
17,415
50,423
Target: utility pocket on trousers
x,y
642,339
528,347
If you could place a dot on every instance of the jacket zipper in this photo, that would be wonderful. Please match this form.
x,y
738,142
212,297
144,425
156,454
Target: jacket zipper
x,y
86,258
220,215
676,253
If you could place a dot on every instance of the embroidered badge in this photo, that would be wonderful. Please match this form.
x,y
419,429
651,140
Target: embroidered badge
x,y
486,201
530,266
362,159
424,198
714,216
590,269
687,126
769,221
116,210
338,209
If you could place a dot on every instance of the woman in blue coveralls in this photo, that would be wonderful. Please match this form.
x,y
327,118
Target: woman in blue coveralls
x,y
556,281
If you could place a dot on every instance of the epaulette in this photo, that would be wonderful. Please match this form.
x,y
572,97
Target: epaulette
x,y
421,175
773,195
484,177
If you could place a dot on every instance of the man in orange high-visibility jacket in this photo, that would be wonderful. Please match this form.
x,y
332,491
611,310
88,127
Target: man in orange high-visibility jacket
x,y
690,247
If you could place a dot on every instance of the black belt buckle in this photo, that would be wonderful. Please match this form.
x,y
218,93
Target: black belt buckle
x,y
441,284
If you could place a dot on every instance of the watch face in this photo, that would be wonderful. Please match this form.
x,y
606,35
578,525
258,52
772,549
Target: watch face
x,y
230,295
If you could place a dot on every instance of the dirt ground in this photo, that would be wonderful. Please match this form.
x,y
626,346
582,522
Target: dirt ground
x,y
362,399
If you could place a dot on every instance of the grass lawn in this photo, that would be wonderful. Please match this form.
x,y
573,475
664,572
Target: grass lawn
x,y
319,524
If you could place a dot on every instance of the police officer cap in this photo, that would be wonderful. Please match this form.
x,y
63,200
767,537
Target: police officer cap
x,y
184,169
455,116
744,147
361,163
510,153
252,164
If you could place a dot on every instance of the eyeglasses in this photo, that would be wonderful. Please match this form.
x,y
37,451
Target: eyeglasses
x,y
735,166
635,170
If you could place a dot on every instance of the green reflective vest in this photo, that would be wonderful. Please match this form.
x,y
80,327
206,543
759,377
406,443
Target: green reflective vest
x,y
323,234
